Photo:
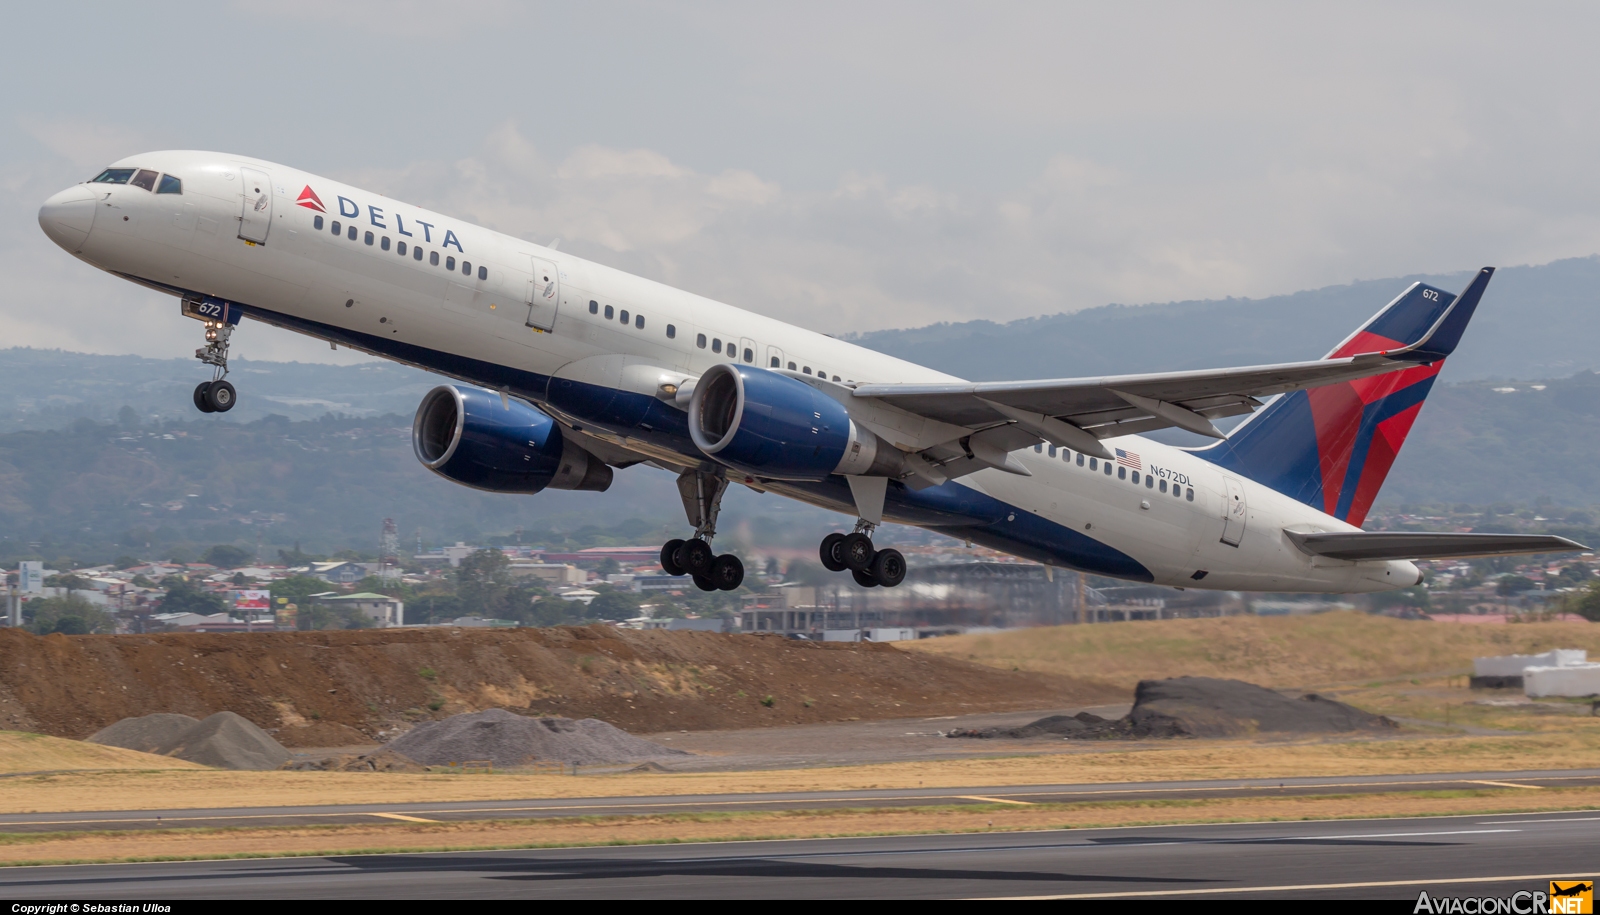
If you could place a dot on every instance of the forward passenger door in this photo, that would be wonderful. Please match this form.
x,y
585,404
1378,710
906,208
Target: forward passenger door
x,y
255,205
544,294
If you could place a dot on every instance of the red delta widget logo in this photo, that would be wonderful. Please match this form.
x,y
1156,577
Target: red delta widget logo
x,y
309,199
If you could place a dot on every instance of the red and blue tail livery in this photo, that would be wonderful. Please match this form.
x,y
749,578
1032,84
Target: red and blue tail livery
x,y
1331,447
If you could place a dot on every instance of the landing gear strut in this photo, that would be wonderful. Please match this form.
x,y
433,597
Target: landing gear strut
x,y
854,552
216,395
702,501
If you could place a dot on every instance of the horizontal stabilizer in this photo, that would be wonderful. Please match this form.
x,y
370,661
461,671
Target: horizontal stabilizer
x,y
1362,546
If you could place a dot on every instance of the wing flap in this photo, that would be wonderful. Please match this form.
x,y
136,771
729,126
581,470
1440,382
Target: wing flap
x,y
1364,546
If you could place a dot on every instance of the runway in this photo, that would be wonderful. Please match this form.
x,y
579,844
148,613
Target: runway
x,y
1349,859
799,800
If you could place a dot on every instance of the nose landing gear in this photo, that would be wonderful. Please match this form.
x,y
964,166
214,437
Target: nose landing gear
x,y
702,501
853,552
216,395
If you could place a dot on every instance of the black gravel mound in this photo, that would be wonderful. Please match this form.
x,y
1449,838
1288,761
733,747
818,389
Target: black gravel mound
x,y
1201,707
147,733
508,739
224,740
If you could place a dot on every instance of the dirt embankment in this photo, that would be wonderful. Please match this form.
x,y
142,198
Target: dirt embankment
x,y
1284,651
319,689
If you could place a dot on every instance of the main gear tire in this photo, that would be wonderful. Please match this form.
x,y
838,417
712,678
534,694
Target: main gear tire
x,y
727,572
857,552
704,583
864,579
669,557
889,568
201,401
696,557
832,559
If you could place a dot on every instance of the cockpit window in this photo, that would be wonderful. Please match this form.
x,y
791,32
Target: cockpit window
x,y
145,179
114,176
169,185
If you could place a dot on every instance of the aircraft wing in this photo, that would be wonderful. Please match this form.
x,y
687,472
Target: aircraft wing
x,y
1077,412
1358,546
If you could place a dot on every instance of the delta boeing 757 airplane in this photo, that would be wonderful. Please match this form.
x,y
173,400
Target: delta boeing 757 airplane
x,y
569,368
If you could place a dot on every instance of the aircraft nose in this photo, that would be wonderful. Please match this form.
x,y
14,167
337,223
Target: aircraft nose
x,y
68,216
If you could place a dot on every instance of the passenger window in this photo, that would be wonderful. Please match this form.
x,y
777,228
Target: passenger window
x,y
672,331
623,316
483,272
337,229
610,312
638,322
1038,449
836,378
114,176
700,341
749,354
350,233
1094,463
716,345
145,178
384,244
316,223
433,258
369,238
807,370
401,248
171,185
776,363
594,307
1188,493
416,255
1108,468
1052,451
450,264
1150,482
1163,486
791,366
1066,455
1080,461
466,268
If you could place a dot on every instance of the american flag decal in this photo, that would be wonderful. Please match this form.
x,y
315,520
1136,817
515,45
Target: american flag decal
x,y
1128,459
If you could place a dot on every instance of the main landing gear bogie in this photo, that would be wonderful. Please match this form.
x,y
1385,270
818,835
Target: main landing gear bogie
x,y
854,553
696,559
216,395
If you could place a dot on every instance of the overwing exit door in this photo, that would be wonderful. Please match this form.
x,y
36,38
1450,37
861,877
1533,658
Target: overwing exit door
x,y
255,206
544,294
1234,513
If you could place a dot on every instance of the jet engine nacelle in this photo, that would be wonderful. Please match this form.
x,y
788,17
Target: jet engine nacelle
x,y
771,425
472,437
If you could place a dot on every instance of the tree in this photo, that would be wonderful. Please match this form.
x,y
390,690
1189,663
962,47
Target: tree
x,y
69,581
126,562
128,417
484,584
227,556
70,615
184,597
433,608
549,611
608,566
1586,603
1514,584
298,589
613,605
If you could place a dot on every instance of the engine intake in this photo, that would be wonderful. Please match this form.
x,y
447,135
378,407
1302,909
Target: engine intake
x,y
770,425
467,435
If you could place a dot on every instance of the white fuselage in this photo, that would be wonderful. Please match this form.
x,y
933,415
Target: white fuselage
x,y
502,324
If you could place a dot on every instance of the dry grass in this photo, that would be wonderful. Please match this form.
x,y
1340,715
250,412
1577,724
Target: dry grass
x,y
21,751
1530,740
48,848
1304,651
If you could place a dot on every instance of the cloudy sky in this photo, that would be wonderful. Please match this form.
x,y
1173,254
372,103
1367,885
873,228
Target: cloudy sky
x,y
846,166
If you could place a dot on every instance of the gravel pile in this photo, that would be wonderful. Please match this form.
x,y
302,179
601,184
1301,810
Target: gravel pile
x,y
1201,707
224,740
147,733
508,740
